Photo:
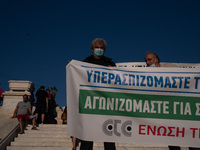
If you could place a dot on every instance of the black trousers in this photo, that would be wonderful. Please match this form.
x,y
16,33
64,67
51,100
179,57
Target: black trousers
x,y
194,148
178,148
174,148
88,145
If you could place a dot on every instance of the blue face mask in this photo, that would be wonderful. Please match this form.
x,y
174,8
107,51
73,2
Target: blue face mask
x,y
98,52
153,65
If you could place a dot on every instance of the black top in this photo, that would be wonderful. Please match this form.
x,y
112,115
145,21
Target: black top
x,y
52,102
104,61
41,97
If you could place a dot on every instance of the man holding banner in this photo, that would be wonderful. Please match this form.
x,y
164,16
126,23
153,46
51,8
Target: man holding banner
x,y
98,47
152,60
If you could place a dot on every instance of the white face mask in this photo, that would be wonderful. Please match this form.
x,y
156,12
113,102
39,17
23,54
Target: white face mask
x,y
98,52
153,65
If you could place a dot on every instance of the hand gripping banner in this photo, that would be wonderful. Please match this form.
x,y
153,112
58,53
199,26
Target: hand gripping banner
x,y
157,106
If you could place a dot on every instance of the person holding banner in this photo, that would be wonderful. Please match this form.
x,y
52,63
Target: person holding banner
x,y
152,60
98,47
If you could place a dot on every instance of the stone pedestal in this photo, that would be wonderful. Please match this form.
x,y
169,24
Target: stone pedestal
x,y
12,97
17,86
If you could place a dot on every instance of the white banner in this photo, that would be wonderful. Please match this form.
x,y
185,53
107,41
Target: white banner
x,y
157,106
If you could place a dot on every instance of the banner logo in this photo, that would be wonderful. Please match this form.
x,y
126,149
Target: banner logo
x,y
117,127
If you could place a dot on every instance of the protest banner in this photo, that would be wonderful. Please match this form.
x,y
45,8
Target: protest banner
x,y
157,106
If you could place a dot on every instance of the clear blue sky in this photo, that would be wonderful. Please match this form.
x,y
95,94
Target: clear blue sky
x,y
38,37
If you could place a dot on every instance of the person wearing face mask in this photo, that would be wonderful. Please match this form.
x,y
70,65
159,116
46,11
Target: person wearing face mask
x,y
152,60
98,47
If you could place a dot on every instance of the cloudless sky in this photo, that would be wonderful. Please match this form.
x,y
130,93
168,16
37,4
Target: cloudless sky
x,y
38,37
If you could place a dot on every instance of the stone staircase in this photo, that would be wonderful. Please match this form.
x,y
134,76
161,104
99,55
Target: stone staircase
x,y
54,137
48,137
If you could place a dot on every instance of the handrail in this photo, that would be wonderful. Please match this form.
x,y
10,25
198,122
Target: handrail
x,y
9,138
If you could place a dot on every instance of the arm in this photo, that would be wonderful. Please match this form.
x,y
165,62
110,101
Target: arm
x,y
29,109
47,103
110,62
14,114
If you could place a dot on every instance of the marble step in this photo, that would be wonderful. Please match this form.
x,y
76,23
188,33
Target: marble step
x,y
54,137
38,148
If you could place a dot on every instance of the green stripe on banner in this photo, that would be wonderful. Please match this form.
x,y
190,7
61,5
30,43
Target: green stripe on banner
x,y
139,105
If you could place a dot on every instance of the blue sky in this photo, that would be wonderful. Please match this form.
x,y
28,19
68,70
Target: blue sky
x,y
38,37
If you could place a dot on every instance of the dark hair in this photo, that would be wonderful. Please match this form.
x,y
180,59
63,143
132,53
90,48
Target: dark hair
x,y
42,87
25,95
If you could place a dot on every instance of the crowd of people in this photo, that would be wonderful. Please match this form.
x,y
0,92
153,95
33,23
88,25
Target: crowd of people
x,y
43,111
46,106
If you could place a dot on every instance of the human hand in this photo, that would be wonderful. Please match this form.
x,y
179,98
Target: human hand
x,y
13,117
